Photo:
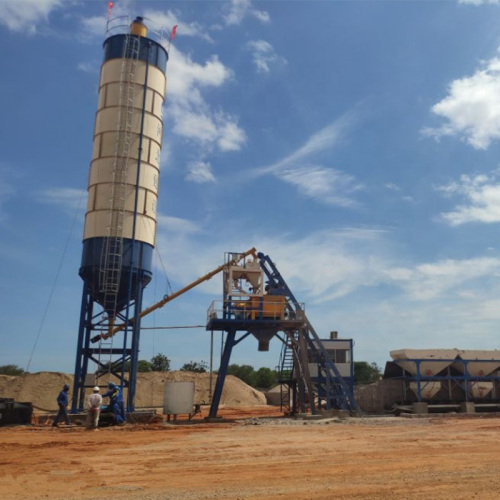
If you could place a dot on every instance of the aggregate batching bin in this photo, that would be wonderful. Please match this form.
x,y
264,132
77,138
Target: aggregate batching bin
x,y
478,363
425,363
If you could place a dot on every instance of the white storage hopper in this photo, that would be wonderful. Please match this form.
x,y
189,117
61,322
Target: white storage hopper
x,y
427,369
427,389
480,389
488,362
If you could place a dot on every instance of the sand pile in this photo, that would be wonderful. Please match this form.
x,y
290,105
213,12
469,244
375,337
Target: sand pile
x,y
42,388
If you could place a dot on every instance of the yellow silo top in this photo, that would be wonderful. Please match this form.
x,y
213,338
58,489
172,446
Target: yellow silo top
x,y
138,28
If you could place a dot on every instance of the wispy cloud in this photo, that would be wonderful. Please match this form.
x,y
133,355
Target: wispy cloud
x,y
166,20
472,107
6,194
322,183
240,9
264,56
434,280
177,225
480,2
93,27
88,67
326,138
27,15
68,199
200,172
482,195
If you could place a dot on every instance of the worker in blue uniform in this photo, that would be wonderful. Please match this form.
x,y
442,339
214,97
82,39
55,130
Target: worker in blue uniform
x,y
62,402
116,402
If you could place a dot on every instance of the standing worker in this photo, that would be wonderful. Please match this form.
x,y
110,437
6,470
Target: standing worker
x,y
95,401
62,401
116,402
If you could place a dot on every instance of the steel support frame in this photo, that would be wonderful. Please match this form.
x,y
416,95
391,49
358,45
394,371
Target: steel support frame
x,y
463,381
231,341
127,351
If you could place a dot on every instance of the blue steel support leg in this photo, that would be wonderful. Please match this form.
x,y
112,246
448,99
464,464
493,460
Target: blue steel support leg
x,y
221,376
466,381
136,333
419,388
81,361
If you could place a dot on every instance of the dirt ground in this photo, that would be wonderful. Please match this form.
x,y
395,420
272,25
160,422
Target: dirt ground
x,y
257,458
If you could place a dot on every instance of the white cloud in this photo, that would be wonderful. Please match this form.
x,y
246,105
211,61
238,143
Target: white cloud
x,y
69,199
323,184
230,137
6,193
186,77
193,118
264,55
327,265
239,9
480,2
94,27
27,15
177,225
165,21
434,280
200,172
472,107
326,138
482,193
88,67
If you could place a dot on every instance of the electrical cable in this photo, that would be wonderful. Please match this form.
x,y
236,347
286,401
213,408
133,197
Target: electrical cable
x,y
171,327
42,322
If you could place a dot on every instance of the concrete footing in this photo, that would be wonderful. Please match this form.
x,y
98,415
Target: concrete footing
x,y
467,407
420,408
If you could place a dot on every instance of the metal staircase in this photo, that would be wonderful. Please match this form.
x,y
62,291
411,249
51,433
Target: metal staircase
x,y
285,376
332,388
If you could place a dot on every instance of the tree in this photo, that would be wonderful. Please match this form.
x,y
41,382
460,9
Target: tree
x,y
142,366
265,378
194,366
160,363
246,373
11,370
366,373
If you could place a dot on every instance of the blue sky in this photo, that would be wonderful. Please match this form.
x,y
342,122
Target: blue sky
x,y
356,143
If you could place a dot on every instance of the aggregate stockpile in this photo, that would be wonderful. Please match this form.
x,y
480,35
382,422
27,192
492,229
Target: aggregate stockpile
x,y
42,389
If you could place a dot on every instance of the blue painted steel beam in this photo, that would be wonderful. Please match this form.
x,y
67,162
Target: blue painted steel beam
x,y
221,376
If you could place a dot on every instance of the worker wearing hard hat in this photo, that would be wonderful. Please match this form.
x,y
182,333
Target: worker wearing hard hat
x,y
94,409
62,402
116,402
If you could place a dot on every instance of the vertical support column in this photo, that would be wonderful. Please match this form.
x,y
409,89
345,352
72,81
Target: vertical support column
x,y
299,400
419,381
136,334
81,362
221,376
305,370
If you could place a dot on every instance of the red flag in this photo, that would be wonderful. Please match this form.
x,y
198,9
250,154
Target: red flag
x,y
110,8
174,31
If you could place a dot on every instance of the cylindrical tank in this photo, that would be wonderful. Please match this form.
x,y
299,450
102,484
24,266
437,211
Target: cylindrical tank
x,y
179,398
120,222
